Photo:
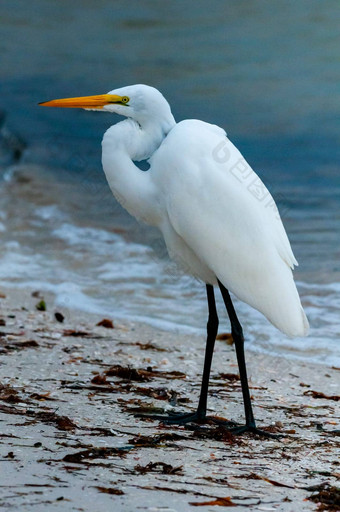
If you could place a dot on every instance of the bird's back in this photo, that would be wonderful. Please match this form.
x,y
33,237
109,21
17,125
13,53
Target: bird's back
x,y
223,212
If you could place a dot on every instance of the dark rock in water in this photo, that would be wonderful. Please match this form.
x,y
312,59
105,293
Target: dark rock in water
x,y
59,317
11,146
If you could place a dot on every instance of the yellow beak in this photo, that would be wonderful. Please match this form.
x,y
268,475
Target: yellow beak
x,y
98,101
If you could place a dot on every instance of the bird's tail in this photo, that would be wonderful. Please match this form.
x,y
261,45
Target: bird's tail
x,y
274,294
283,307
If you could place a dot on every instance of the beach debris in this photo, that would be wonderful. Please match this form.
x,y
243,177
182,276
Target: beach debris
x,y
99,379
168,489
141,374
59,317
7,345
100,431
174,374
64,423
110,490
220,481
221,502
143,412
128,373
41,396
255,476
41,305
106,322
149,346
157,393
232,377
159,467
318,394
327,498
9,394
94,453
225,336
76,334
46,416
155,440
216,433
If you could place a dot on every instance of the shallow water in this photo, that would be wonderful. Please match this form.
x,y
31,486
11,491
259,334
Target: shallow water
x,y
268,75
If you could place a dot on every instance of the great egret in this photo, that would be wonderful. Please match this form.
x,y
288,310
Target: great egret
x,y
218,219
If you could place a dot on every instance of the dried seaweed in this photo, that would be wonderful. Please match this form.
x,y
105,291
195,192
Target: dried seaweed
x,y
48,417
141,374
232,377
64,423
77,334
41,396
127,373
106,322
327,498
156,440
149,346
18,345
94,453
221,502
255,476
143,412
225,336
110,490
318,394
217,433
9,394
99,379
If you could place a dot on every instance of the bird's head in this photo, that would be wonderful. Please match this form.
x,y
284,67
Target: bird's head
x,y
140,102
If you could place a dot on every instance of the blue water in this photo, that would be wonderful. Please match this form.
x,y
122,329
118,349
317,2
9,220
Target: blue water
x,y
268,72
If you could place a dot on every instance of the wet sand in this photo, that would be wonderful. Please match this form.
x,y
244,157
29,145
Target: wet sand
x,y
70,441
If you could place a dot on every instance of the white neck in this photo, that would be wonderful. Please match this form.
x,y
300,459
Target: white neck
x,y
123,143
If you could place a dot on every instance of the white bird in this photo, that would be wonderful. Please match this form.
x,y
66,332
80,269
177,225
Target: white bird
x,y
218,219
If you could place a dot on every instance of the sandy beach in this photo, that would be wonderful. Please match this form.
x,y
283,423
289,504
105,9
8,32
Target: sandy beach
x,y
70,441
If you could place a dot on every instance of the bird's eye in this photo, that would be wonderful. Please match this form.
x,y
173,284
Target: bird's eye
x,y
125,99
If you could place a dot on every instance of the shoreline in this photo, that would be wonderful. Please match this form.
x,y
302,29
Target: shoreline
x,y
58,399
285,351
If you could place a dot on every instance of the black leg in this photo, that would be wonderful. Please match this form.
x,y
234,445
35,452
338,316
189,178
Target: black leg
x,y
212,327
200,415
201,412
237,333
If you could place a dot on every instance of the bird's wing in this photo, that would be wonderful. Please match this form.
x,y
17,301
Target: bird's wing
x,y
226,215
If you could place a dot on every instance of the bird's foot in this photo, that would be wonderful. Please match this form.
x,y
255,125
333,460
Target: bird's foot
x,y
191,417
201,418
176,418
